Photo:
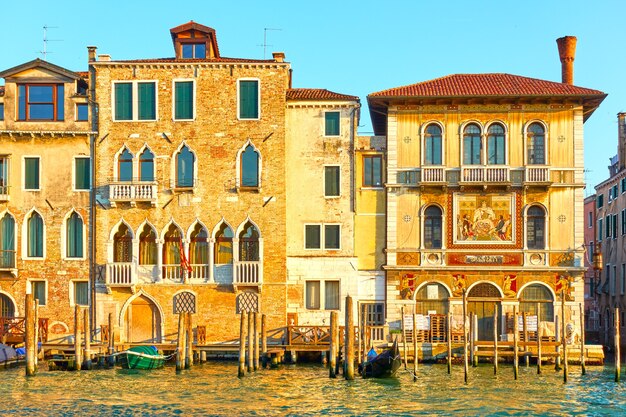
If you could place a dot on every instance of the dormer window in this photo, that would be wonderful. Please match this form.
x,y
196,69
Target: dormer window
x,y
194,41
194,50
41,102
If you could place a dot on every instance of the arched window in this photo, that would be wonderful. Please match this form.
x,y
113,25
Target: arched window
x,y
249,243
125,166
432,228
432,145
535,228
471,145
122,244
537,296
7,309
184,167
147,246
146,166
74,236
7,241
431,297
536,144
224,245
199,246
495,145
35,236
249,167
172,246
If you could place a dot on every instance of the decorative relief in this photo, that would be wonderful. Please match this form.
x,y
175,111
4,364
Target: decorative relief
x,y
407,285
509,286
563,283
407,258
458,285
508,259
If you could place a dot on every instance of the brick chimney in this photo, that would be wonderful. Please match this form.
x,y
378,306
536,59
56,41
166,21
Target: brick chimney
x,y
567,53
621,141
91,53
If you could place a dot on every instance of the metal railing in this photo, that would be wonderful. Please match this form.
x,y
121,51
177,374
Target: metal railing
x,y
4,192
7,259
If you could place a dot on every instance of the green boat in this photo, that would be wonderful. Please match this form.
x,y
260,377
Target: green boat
x,y
141,357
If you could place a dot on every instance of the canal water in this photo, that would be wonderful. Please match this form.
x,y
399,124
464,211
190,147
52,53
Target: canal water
x,y
213,389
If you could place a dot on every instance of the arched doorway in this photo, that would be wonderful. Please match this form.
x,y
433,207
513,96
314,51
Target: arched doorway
x,y
482,300
143,321
537,298
432,298
7,309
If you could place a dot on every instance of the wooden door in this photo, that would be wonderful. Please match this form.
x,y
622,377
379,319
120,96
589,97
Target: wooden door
x,y
484,311
143,321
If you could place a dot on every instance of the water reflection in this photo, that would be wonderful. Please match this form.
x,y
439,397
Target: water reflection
x,y
306,390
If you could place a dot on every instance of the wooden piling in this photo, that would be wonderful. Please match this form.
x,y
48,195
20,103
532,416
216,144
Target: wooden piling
x,y
242,345
415,353
538,343
36,332
465,365
557,339
255,319
471,338
583,368
87,355
111,358
495,340
180,353
77,339
404,338
264,340
515,345
525,330
189,341
564,339
202,356
349,343
475,339
250,352
449,338
29,310
334,328
618,369
359,321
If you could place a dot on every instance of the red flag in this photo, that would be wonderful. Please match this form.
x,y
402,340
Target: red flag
x,y
184,262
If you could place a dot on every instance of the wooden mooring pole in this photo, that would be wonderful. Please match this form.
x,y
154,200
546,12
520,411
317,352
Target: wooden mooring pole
x,y
242,345
111,357
87,355
404,341
475,339
583,368
495,340
415,353
334,328
256,340
29,313
618,358
538,342
525,330
77,342
180,360
349,343
188,340
250,353
36,333
515,344
465,365
449,338
264,340
564,339
557,338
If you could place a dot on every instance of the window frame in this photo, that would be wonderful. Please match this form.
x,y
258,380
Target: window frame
x,y
319,235
338,180
364,183
527,143
39,177
75,173
134,100
544,229
77,114
194,167
326,125
193,45
193,99
31,283
56,108
318,292
5,174
26,237
488,136
240,167
327,225
425,226
140,170
320,288
427,145
239,97
64,240
471,136
1,111
72,292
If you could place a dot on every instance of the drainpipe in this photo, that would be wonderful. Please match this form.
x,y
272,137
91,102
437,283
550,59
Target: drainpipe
x,y
92,193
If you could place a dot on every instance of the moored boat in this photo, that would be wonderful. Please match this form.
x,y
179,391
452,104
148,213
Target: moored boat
x,y
383,365
7,353
141,357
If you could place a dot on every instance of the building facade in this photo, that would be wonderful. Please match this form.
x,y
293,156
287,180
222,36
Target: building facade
x,y
610,236
45,183
592,322
484,196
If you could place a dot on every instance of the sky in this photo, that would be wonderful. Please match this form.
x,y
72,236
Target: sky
x,y
353,46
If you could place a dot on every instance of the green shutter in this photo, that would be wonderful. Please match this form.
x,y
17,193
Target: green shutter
x,y
39,291
147,101
35,236
123,101
81,180
331,181
31,173
332,123
81,293
183,106
74,239
248,99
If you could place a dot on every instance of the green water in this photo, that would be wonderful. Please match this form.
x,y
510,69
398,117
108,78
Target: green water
x,y
305,390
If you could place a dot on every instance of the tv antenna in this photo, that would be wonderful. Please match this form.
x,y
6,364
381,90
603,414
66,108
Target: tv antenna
x,y
45,52
265,45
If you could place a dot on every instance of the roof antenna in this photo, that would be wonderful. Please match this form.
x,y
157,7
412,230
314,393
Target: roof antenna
x,y
45,52
265,45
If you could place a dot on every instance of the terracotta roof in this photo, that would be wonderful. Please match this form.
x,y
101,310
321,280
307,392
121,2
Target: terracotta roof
x,y
192,25
317,94
39,63
467,85
84,74
195,60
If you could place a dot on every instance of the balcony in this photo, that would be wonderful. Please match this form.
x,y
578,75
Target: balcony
x,y
537,175
120,274
4,193
247,273
485,174
133,192
433,175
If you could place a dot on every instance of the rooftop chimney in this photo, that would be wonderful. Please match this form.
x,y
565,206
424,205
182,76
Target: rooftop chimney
x,y
104,57
278,56
621,140
91,53
567,53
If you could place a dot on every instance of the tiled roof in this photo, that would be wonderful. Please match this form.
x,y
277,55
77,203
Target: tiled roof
x,y
84,74
317,94
467,85
195,60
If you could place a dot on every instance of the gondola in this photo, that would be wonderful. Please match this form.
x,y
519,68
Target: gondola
x,y
383,365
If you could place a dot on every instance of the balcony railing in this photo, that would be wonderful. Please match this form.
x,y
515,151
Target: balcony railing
x,y
4,193
248,273
433,174
485,174
537,174
199,272
120,274
173,272
133,192
7,259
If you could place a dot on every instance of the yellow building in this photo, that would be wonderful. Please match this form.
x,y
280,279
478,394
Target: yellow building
x,y
485,195
44,192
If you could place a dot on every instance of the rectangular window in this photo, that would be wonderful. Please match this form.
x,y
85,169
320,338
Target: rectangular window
x,y
248,99
82,112
194,50
590,219
183,100
623,185
600,201
41,102
332,236
81,293
331,123
313,295
375,314
373,171
331,292
4,175
135,100
612,281
1,111
81,173
608,226
614,226
38,289
624,222
331,181
600,230
31,173
622,287
312,236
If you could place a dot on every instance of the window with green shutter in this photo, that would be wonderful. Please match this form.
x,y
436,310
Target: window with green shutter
x,y
183,100
81,293
81,174
331,181
35,236
74,238
331,119
38,289
312,236
31,173
146,93
123,101
332,236
248,99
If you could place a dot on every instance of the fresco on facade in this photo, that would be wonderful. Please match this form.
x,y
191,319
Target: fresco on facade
x,y
484,218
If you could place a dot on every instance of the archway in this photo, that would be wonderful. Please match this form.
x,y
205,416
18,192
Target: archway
x,y
7,308
483,299
143,321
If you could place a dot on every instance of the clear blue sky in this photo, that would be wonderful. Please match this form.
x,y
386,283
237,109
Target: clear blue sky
x,y
354,47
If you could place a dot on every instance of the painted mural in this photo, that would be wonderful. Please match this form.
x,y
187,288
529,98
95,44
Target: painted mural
x,y
488,218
